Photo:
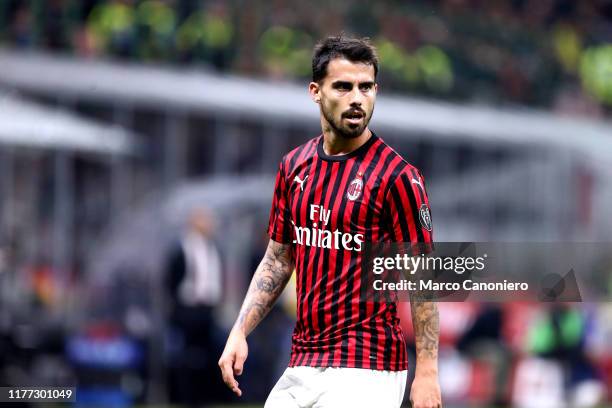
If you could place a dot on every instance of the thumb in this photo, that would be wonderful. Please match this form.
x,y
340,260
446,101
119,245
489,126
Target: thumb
x,y
238,365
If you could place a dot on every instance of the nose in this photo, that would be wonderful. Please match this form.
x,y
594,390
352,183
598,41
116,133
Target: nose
x,y
356,97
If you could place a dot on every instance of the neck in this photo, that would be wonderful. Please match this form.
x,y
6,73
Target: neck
x,y
333,144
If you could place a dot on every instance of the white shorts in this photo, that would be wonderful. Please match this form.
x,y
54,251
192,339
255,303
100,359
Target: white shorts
x,y
323,387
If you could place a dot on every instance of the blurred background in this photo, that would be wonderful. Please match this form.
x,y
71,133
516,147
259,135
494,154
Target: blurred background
x,y
138,146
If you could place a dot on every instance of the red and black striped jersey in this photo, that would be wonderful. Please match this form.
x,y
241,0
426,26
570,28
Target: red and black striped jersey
x,y
327,207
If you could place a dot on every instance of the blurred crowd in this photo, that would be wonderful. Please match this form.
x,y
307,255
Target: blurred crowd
x,y
550,53
520,354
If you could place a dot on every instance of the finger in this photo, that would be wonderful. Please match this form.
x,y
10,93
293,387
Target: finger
x,y
228,377
239,364
235,389
226,373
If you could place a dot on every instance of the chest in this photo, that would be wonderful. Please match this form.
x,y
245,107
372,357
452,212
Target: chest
x,y
336,196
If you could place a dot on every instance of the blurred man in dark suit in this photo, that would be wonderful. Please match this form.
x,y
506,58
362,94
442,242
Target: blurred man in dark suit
x,y
194,285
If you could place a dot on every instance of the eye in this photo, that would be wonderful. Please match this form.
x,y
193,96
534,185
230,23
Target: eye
x,y
365,87
343,86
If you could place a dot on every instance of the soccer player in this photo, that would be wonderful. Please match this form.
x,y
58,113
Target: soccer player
x,y
334,193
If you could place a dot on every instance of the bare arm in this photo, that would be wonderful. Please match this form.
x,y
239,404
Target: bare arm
x,y
267,284
425,392
426,323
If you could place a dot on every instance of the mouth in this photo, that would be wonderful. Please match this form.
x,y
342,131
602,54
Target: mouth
x,y
354,117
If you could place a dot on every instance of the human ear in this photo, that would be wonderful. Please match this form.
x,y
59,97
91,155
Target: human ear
x,y
315,92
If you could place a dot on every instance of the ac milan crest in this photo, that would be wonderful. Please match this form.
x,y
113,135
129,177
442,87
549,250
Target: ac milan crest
x,y
354,189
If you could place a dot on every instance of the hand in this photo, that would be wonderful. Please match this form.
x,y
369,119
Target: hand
x,y
425,392
232,359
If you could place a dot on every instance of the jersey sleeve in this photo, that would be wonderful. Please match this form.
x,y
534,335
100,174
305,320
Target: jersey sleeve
x,y
409,213
279,224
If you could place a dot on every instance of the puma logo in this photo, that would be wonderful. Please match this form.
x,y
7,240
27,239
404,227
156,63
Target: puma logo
x,y
300,182
415,181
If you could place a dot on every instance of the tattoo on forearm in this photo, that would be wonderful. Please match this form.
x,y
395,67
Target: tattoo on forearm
x,y
426,322
266,286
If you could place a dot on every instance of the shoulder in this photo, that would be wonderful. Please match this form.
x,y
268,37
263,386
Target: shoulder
x,y
398,165
300,154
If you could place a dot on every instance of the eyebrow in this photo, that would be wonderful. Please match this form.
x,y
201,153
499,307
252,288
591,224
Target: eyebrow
x,y
347,83
336,84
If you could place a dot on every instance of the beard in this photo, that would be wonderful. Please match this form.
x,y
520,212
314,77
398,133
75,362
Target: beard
x,y
349,131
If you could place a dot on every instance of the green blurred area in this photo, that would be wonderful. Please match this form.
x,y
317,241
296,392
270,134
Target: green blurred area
x,y
503,51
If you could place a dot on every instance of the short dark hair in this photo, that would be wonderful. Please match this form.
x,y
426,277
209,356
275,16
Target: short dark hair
x,y
353,49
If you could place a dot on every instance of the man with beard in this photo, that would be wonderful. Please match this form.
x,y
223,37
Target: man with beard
x,y
341,189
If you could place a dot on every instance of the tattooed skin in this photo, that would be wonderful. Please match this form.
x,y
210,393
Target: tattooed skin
x,y
267,284
426,322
